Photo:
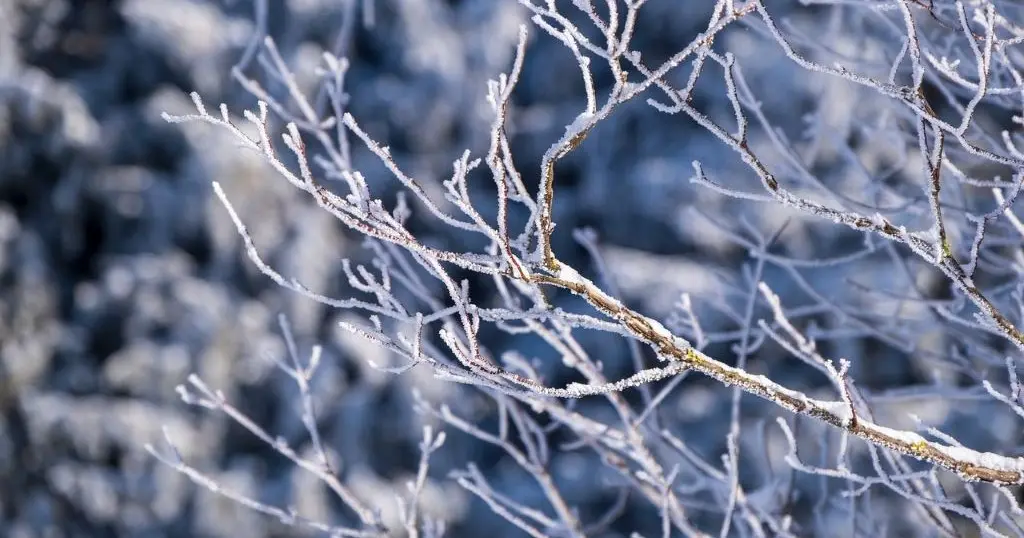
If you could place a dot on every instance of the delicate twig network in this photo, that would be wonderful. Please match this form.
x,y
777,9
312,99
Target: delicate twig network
x,y
970,52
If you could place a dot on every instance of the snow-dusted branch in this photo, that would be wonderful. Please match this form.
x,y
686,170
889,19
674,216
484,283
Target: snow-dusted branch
x,y
417,302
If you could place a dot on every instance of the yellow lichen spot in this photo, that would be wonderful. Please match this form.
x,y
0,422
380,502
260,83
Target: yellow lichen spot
x,y
946,250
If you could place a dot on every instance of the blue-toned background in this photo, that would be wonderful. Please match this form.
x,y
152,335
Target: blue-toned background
x,y
120,274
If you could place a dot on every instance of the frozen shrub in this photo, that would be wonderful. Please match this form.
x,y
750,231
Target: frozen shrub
x,y
834,354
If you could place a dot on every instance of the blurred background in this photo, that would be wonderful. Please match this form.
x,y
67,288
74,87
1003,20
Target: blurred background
x,y
120,273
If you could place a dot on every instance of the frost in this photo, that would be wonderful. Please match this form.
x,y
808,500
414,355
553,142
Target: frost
x,y
982,459
839,409
808,133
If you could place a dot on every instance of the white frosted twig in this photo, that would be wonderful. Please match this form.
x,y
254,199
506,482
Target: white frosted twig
x,y
216,401
288,517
